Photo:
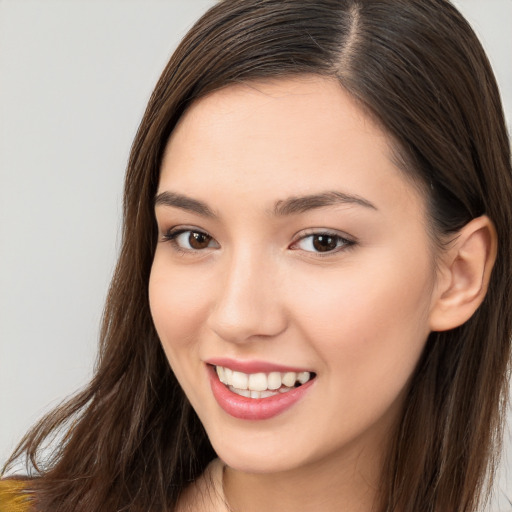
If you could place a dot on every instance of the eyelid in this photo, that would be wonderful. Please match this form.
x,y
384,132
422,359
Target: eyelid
x,y
170,235
348,241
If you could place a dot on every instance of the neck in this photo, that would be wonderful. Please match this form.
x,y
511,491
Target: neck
x,y
346,481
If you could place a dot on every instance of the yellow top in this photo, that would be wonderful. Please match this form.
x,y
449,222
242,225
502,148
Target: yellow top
x,y
12,496
204,495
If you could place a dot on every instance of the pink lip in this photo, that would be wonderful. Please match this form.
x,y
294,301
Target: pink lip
x,y
254,408
252,366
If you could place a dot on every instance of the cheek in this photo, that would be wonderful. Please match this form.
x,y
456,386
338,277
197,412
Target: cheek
x,y
368,332
369,328
177,301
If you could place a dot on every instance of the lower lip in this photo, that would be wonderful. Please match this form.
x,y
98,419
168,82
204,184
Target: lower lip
x,y
245,408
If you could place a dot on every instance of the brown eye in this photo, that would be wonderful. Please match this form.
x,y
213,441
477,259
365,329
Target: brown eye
x,y
317,243
324,243
198,240
190,240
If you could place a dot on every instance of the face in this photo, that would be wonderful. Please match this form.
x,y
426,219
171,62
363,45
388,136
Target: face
x,y
294,260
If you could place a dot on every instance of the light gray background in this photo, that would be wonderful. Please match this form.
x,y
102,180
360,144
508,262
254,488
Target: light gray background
x,y
74,80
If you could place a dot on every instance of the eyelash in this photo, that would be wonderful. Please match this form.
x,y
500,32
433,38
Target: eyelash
x,y
342,243
172,235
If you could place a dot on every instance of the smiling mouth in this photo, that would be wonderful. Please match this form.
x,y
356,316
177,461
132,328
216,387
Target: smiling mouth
x,y
261,385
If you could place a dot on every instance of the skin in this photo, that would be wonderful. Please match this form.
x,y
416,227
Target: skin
x,y
358,316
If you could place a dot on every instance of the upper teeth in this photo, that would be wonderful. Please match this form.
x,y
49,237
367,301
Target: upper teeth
x,y
260,381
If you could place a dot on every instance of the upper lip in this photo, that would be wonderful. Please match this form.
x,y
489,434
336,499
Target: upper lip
x,y
253,366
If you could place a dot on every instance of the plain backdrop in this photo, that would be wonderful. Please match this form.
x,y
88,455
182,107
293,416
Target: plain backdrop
x,y
74,80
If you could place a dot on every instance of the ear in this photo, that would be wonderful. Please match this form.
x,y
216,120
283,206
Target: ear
x,y
463,276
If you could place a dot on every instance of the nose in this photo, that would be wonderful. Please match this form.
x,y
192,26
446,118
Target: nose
x,y
247,304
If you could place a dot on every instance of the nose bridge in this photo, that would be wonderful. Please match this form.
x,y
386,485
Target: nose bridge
x,y
247,302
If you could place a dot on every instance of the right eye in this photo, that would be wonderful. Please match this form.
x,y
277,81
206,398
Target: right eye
x,y
190,239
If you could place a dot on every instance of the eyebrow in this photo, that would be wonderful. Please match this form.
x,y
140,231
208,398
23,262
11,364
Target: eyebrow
x,y
184,203
295,205
283,207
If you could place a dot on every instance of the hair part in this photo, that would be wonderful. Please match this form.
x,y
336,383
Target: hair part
x,y
132,439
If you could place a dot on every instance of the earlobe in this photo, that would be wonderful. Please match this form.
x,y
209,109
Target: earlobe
x,y
463,278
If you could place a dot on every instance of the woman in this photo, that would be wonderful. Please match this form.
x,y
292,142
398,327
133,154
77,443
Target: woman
x,y
311,305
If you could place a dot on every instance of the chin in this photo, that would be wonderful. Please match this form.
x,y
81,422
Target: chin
x,y
252,462
259,452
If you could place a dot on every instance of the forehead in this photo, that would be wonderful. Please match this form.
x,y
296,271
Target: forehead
x,y
278,138
279,110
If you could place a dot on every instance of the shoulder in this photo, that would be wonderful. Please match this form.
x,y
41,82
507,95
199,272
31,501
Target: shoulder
x,y
14,496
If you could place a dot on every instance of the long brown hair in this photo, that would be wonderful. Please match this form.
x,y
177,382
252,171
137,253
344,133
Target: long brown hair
x,y
130,440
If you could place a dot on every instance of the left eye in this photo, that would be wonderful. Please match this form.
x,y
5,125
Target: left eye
x,y
322,243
